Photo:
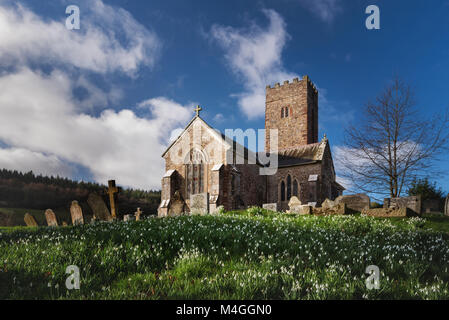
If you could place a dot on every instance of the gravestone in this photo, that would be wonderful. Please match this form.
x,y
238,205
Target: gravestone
x,y
98,207
77,213
295,204
199,203
112,190
270,206
446,206
355,202
129,217
30,221
137,214
51,218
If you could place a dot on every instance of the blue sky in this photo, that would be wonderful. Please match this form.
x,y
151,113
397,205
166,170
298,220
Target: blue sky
x,y
102,102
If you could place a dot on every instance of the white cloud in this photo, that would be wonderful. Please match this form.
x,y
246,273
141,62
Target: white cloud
x,y
116,145
109,39
46,126
25,160
255,57
326,10
219,117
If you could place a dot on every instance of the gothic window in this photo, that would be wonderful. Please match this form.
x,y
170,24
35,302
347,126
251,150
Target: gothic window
x,y
295,188
282,112
286,111
289,187
194,169
282,191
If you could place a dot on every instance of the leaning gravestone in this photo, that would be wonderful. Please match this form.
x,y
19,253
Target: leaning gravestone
x,y
446,206
98,207
199,203
76,213
30,221
51,218
270,206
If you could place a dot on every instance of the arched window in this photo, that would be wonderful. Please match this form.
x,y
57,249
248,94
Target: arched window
x,y
289,187
194,166
282,191
282,112
295,188
286,111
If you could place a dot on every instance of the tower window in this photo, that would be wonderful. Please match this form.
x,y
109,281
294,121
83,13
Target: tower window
x,y
286,111
282,112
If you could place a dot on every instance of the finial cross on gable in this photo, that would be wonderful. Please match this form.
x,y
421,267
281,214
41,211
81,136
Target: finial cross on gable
x,y
197,110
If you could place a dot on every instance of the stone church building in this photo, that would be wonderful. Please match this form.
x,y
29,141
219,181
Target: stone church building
x,y
206,169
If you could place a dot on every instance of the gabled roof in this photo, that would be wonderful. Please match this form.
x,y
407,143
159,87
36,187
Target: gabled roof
x,y
217,134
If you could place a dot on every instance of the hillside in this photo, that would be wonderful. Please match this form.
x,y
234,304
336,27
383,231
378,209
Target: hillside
x,y
246,255
27,192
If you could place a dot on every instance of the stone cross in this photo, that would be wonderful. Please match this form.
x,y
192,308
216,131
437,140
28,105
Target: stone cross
x,y
137,214
197,110
111,191
51,218
30,221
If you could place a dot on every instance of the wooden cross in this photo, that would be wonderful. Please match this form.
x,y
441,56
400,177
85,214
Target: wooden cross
x,y
197,110
111,191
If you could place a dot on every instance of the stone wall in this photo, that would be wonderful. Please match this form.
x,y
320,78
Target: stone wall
x,y
412,202
300,127
355,202
389,212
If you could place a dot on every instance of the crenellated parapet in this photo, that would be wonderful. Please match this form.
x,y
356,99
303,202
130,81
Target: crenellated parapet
x,y
295,81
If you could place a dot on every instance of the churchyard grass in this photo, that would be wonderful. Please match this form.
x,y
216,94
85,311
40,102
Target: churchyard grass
x,y
254,254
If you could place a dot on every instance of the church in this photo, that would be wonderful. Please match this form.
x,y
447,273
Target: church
x,y
206,169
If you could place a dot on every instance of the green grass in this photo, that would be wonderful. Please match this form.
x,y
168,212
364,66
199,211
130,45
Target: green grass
x,y
251,254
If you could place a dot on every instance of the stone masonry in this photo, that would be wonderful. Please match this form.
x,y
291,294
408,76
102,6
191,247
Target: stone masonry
x,y
202,160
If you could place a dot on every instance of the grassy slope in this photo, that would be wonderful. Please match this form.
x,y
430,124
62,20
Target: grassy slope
x,y
235,256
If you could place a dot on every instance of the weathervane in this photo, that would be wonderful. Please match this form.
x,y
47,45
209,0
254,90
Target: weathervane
x,y
197,110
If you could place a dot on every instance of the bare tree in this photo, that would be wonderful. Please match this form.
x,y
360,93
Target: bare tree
x,y
393,143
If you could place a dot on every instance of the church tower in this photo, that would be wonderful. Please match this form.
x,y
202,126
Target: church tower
x,y
292,108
